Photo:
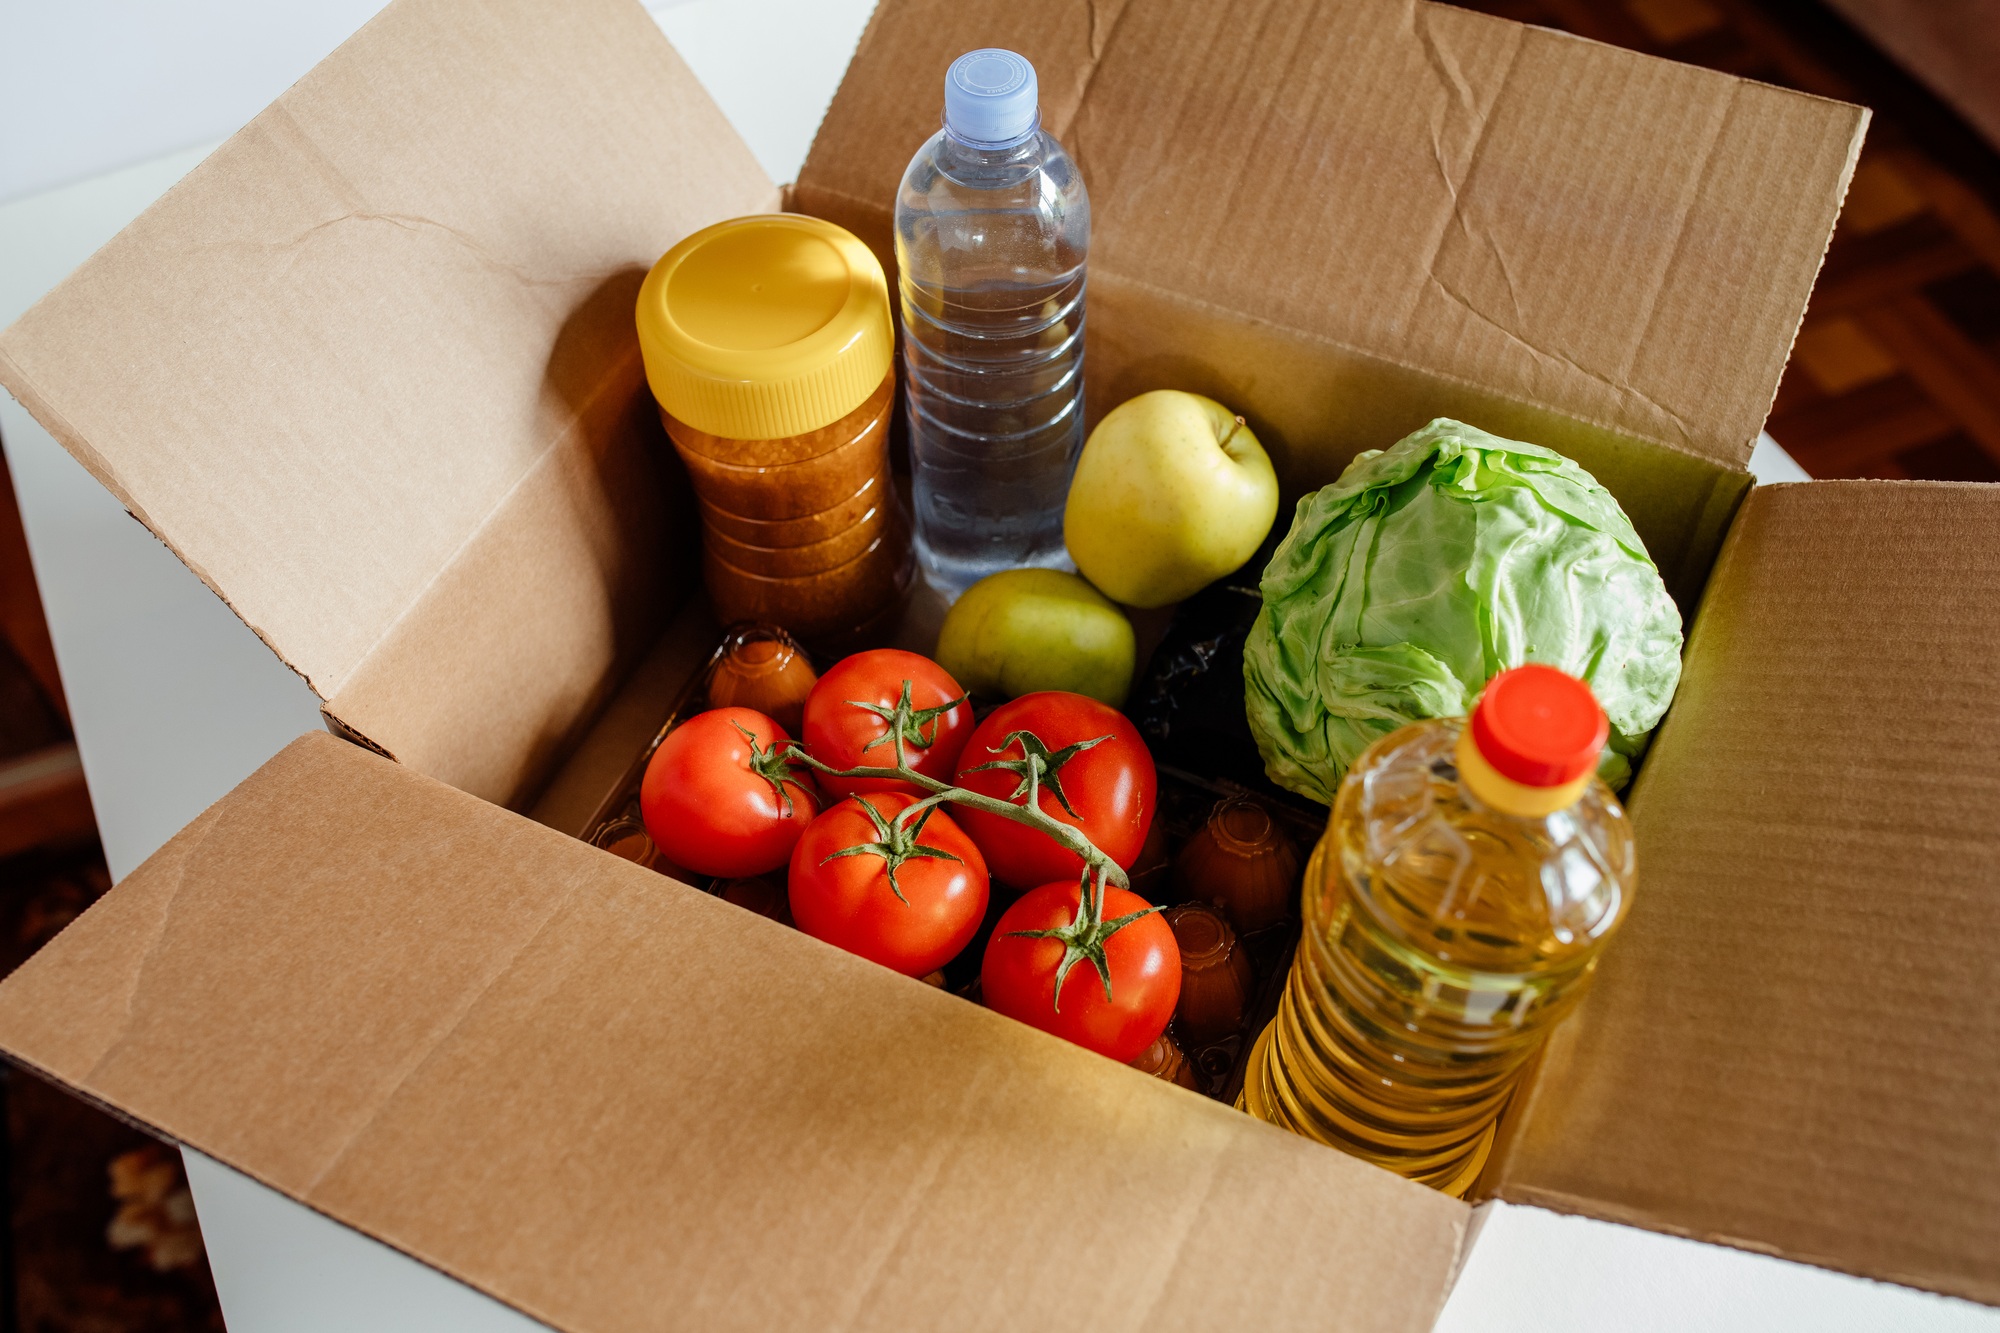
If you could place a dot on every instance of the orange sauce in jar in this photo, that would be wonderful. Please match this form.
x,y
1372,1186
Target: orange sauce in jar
x,y
769,347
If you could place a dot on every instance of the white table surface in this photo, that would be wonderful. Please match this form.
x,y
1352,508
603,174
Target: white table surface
x,y
175,701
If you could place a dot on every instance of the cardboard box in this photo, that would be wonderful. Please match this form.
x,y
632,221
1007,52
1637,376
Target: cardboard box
x,y
370,371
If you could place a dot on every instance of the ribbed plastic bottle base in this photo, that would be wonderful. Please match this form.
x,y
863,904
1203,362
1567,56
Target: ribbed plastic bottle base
x,y
1266,1099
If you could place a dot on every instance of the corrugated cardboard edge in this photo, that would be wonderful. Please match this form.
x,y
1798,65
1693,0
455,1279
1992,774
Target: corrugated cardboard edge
x,y
113,1110
1066,90
170,861
16,381
1854,517
1865,119
350,673
211,992
871,221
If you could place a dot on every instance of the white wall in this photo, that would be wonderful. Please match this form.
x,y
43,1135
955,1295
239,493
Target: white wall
x,y
89,86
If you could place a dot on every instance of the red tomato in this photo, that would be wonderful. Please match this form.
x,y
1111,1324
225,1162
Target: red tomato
x,y
848,713
1094,774
1018,975
909,899
720,799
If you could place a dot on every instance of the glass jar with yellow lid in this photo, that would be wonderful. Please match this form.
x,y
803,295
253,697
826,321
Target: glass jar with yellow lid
x,y
770,349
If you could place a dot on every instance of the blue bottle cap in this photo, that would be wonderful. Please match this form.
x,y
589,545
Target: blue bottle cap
x,y
991,98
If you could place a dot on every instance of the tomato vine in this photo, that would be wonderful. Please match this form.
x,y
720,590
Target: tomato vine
x,y
1083,939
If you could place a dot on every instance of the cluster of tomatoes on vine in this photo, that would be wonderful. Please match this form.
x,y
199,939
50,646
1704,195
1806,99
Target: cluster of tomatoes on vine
x,y
899,818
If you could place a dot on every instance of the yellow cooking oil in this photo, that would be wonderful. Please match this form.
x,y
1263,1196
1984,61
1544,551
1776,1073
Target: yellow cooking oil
x,y
1448,925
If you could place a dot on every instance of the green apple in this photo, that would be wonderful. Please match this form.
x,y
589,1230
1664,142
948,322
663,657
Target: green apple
x,y
1023,630
1171,493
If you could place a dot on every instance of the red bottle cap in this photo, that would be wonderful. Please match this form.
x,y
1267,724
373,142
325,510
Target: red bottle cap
x,y
1539,726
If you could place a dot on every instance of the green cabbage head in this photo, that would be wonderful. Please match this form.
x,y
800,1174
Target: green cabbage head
x,y
1432,565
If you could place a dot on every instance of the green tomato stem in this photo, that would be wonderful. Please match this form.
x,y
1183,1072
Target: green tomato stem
x,y
1084,937
1102,868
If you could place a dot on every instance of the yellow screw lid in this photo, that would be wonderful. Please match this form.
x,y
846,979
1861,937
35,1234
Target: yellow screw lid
x,y
766,326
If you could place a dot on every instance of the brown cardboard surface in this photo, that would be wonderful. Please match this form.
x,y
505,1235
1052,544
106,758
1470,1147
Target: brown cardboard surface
x,y
600,1095
371,372
628,721
1315,404
1793,1044
1621,240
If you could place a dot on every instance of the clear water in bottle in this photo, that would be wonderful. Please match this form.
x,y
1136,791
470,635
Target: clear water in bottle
x,y
992,232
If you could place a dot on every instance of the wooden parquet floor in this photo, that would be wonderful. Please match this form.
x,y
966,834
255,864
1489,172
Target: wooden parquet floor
x,y
1896,372
60,1162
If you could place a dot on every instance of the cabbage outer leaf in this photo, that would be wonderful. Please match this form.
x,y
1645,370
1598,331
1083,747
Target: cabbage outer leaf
x,y
1432,565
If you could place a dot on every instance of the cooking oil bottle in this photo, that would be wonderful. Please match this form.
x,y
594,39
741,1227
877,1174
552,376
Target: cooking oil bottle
x,y
1466,885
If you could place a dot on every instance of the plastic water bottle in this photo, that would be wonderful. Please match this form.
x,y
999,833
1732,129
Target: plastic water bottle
x,y
992,229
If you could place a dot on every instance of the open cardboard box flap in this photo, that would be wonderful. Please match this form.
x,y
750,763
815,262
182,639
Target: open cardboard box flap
x,y
370,370
598,1094
1524,216
1793,1045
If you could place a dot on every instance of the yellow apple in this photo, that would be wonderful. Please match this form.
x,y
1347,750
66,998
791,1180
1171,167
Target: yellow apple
x,y
1023,630
1171,493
